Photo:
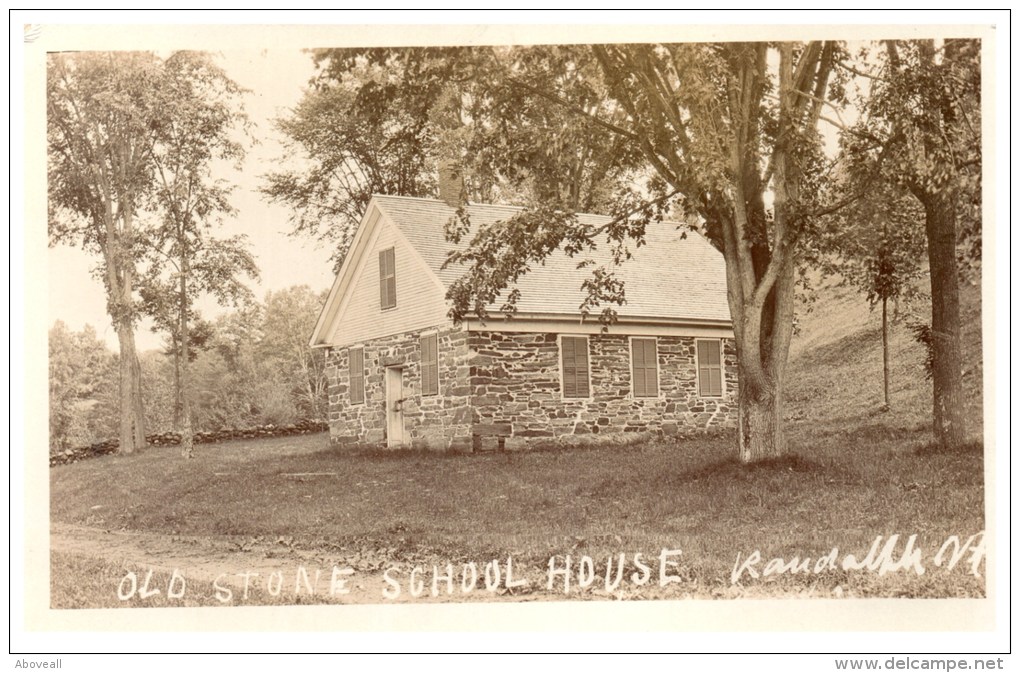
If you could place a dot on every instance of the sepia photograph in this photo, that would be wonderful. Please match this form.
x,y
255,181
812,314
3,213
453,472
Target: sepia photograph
x,y
505,326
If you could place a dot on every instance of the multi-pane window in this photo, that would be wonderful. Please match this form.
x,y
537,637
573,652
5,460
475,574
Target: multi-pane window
x,y
710,375
430,364
387,279
644,368
356,362
574,352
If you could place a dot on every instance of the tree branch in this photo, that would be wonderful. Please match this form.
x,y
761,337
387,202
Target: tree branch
x,y
574,108
854,71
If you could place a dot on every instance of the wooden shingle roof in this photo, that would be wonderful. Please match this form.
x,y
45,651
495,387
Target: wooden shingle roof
x,y
673,277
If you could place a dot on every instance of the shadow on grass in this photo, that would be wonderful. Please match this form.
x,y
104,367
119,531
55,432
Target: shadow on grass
x,y
385,455
732,469
974,447
382,454
638,443
842,350
859,430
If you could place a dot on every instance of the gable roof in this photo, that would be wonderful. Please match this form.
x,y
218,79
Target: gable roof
x,y
674,277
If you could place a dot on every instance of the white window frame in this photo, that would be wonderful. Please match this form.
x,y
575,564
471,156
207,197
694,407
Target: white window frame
x,y
587,345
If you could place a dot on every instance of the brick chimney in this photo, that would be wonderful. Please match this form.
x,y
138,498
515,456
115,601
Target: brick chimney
x,y
451,183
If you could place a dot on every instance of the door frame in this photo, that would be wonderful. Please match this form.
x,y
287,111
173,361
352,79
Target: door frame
x,y
396,431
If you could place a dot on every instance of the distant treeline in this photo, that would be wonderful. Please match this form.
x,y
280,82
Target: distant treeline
x,y
249,368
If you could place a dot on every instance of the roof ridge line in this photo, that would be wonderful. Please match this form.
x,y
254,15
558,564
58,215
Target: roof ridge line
x,y
497,205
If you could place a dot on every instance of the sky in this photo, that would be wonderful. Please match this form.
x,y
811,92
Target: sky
x,y
275,79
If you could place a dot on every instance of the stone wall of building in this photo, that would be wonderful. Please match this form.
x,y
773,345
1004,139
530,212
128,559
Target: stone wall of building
x,y
502,391
516,397
440,422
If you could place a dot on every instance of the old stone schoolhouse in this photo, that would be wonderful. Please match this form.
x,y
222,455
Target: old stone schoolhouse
x,y
402,374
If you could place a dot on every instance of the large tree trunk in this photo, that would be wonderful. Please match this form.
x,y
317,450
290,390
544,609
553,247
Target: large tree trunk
x,y
139,401
187,433
760,425
187,438
885,352
120,282
940,226
178,404
760,402
132,418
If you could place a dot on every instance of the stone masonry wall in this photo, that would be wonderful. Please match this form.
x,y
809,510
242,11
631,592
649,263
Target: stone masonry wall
x,y
441,422
516,398
502,391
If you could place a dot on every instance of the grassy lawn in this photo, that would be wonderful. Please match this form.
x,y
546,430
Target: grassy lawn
x,y
641,498
855,473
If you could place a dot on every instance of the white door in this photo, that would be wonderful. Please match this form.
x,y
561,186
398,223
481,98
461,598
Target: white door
x,y
395,407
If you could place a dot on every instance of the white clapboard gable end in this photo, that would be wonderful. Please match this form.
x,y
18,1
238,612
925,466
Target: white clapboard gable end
x,y
353,311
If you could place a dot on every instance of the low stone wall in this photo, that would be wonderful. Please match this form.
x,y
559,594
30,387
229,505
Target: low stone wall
x,y
516,396
305,427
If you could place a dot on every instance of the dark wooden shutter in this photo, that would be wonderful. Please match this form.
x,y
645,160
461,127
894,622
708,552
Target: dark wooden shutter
x,y
387,279
356,361
575,366
644,368
710,368
430,365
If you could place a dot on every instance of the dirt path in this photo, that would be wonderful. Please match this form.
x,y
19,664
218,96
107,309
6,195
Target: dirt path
x,y
277,569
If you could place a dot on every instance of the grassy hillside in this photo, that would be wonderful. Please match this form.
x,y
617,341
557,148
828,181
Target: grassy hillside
x,y
834,380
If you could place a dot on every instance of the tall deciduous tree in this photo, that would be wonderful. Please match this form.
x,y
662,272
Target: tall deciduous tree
x,y
134,138
876,246
99,132
195,265
724,128
924,108
201,111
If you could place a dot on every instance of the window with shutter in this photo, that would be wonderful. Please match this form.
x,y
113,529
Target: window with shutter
x,y
710,378
430,364
574,353
356,362
387,279
644,368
